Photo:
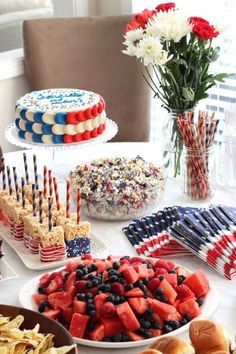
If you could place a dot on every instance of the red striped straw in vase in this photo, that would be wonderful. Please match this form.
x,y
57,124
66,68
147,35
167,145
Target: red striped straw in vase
x,y
9,180
16,184
40,207
45,181
36,178
67,198
50,184
4,185
78,205
26,168
56,193
49,213
23,191
34,199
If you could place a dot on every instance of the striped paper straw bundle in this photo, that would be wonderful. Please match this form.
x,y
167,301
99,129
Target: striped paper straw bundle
x,y
67,198
9,180
50,184
198,138
23,192
56,193
4,186
16,184
26,168
36,178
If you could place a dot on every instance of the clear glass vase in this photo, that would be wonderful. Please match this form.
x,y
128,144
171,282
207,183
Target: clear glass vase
x,y
198,170
172,145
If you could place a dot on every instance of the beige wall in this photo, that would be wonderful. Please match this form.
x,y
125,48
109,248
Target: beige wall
x,y
10,90
109,7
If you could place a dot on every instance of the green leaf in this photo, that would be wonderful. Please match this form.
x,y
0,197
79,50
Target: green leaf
x,y
188,93
215,54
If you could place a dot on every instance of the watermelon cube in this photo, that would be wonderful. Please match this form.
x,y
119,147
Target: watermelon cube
x,y
189,307
60,300
131,276
165,311
138,304
98,333
78,325
169,291
112,326
127,316
80,306
198,283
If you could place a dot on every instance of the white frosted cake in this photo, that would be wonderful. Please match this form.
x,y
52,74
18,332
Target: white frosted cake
x,y
60,116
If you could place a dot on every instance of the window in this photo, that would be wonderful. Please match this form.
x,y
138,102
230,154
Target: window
x,y
223,95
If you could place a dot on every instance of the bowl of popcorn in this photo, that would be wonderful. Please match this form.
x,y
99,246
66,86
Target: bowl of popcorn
x,y
118,188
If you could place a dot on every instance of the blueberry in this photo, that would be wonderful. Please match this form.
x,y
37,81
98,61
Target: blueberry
x,y
180,279
102,287
107,288
116,299
125,257
148,313
112,272
95,282
90,307
172,271
117,337
167,328
90,301
113,278
149,265
89,284
200,301
147,334
164,299
85,271
121,280
91,276
183,321
156,325
125,338
42,306
145,281
116,265
128,287
161,277
187,317
81,296
106,339
110,298
159,292
79,273
89,296
80,266
140,331
66,276
90,326
41,290
145,324
172,323
93,267
91,313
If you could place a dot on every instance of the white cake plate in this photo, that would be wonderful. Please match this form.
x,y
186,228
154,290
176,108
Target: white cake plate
x,y
12,136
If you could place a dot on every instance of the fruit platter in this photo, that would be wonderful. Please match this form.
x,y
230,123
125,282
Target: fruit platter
x,y
121,301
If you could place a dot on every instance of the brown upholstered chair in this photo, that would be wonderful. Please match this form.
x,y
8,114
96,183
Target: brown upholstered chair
x,y
86,53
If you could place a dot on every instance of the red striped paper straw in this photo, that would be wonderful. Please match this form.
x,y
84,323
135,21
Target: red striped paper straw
x,y
26,168
49,213
67,198
35,172
45,181
50,183
16,184
56,193
40,207
23,191
78,205
34,199
4,186
9,180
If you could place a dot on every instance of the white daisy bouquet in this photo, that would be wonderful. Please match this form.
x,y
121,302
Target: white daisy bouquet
x,y
178,49
174,53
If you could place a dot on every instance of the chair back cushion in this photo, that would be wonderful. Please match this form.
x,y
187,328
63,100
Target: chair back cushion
x,y
85,53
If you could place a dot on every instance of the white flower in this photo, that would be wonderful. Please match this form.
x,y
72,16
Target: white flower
x,y
150,51
133,35
131,50
170,25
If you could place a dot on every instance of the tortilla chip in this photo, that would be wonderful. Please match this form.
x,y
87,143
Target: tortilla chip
x,y
15,323
61,350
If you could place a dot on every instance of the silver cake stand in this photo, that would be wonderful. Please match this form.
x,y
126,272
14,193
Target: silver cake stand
x,y
56,150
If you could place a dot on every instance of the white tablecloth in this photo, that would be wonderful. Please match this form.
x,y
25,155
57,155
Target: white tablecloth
x,y
110,232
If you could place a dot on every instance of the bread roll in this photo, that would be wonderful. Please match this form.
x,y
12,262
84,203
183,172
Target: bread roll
x,y
208,337
221,352
150,351
172,345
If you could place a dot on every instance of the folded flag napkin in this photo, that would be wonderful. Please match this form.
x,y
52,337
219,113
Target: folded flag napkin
x,y
209,233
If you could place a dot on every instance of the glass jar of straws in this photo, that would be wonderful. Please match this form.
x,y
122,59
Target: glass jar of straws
x,y
198,159
199,172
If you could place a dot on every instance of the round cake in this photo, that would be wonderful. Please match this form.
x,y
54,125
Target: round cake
x,y
60,116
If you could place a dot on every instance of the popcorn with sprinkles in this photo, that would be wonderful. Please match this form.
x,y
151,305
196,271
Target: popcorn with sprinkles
x,y
117,187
